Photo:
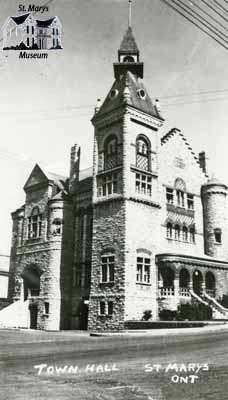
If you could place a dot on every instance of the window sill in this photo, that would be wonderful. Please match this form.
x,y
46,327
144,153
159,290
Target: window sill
x,y
180,241
144,171
218,243
108,171
143,283
103,316
111,283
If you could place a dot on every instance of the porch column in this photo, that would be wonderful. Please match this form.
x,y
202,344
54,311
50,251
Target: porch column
x,y
176,285
191,280
203,285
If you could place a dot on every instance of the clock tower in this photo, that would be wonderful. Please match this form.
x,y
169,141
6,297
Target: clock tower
x,y
125,196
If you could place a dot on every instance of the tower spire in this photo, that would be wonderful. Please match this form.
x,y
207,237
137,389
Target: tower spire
x,y
130,14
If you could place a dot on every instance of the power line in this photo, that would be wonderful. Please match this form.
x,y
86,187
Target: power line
x,y
195,15
194,23
221,6
214,9
209,15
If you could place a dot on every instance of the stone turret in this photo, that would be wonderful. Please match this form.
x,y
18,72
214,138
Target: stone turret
x,y
214,200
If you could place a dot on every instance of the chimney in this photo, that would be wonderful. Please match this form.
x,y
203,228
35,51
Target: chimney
x,y
202,161
74,167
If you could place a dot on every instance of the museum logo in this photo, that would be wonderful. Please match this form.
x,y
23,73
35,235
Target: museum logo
x,y
26,32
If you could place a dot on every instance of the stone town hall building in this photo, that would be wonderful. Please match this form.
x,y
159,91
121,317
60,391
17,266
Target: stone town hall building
x,y
144,227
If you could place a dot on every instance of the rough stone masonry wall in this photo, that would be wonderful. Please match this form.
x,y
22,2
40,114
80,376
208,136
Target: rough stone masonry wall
x,y
143,231
81,264
215,216
108,236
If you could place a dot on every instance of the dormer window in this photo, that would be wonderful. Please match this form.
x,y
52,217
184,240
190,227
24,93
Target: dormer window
x,y
141,94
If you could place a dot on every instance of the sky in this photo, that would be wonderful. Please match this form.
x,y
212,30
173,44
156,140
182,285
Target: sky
x,y
46,105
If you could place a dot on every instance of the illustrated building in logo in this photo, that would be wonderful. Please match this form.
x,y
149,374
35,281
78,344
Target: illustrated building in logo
x,y
26,32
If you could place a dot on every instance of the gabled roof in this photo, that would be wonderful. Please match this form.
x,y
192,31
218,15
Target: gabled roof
x,y
127,93
45,23
129,44
173,132
39,176
20,19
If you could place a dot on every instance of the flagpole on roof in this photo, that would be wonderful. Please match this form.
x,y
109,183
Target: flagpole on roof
x,y
130,14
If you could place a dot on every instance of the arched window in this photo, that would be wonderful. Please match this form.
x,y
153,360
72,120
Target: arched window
x,y
110,152
177,232
169,230
128,59
192,234
185,234
34,224
142,153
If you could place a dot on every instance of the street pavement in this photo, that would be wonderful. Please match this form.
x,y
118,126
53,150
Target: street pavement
x,y
186,365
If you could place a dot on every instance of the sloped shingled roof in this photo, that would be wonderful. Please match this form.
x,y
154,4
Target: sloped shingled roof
x,y
45,23
128,43
20,19
132,84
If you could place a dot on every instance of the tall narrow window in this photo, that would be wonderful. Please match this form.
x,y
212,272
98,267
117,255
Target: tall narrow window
x,y
110,308
143,270
177,232
169,230
28,29
190,201
169,195
32,30
185,234
107,268
180,198
192,234
27,42
142,154
218,235
110,152
102,308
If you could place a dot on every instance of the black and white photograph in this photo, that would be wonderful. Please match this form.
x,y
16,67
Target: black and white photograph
x,y
114,200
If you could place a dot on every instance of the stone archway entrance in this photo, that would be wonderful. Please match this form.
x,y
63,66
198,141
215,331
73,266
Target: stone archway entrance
x,y
31,277
197,280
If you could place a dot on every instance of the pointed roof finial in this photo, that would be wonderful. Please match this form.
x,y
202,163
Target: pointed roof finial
x,y
130,14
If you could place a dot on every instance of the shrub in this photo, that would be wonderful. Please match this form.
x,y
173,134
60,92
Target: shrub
x,y
167,315
194,312
147,314
224,301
